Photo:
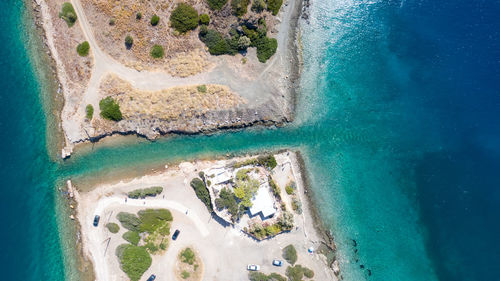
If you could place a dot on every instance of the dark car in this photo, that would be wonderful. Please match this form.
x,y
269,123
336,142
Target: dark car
x,y
152,277
96,220
176,233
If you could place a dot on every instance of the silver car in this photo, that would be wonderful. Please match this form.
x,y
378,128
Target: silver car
x,y
253,267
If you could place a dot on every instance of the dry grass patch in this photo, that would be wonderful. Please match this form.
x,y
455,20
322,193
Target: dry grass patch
x,y
169,104
187,64
189,266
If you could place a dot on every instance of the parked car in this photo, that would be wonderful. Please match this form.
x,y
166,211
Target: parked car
x,y
152,277
96,220
253,267
176,234
277,262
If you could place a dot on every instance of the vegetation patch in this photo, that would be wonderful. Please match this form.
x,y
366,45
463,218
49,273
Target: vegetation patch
x,y
157,52
83,49
267,161
145,192
89,111
68,14
204,19
227,200
216,4
274,6
132,237
202,192
263,231
202,88
188,256
239,7
290,254
113,227
184,18
215,42
296,273
129,41
134,260
266,47
110,109
259,276
155,19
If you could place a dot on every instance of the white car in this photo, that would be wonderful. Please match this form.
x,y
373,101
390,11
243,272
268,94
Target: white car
x,y
253,267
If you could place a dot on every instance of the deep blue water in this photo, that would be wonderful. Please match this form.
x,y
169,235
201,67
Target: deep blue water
x,y
397,121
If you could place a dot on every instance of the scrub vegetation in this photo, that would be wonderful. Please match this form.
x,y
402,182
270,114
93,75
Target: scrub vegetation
x,y
184,18
83,49
145,192
259,276
110,109
202,192
113,227
68,14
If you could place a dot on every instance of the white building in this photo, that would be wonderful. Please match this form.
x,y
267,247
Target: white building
x,y
218,176
263,203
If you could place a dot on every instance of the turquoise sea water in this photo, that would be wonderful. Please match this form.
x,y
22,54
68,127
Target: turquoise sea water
x,y
397,132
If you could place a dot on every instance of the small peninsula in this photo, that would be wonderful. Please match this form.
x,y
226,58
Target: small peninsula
x,y
154,68
253,209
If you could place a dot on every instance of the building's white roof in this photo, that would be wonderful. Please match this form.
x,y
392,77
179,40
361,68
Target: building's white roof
x,y
263,202
218,175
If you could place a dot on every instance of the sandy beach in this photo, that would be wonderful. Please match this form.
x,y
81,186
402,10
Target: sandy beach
x,y
196,225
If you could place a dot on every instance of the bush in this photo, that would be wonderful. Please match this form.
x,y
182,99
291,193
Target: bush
x,y
239,7
155,219
129,41
275,188
216,43
290,254
216,4
89,109
157,52
258,6
155,19
243,43
83,49
68,14
112,21
187,256
297,205
308,272
110,109
134,260
267,161
113,227
204,19
185,274
132,237
289,190
266,47
202,88
144,192
138,16
129,221
294,273
274,6
184,18
259,276
202,192
227,201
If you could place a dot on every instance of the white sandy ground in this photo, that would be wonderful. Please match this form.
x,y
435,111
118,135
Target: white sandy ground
x,y
257,90
225,251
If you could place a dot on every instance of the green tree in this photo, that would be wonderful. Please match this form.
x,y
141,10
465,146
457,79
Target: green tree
x,y
239,7
68,14
110,109
243,42
155,19
258,6
216,4
184,18
89,110
274,6
157,52
204,19
83,49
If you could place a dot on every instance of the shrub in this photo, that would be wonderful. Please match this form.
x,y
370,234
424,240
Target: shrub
x,y
308,272
110,109
202,88
243,43
83,49
89,110
267,161
184,18
274,6
289,190
216,4
157,52
204,19
144,192
187,256
138,16
129,221
290,254
259,276
275,188
227,201
112,21
297,206
132,237
68,14
294,273
258,6
129,41
155,219
134,260
155,19
113,227
185,274
239,7
266,47
286,221
216,43
202,192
